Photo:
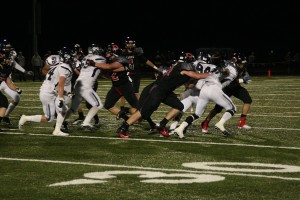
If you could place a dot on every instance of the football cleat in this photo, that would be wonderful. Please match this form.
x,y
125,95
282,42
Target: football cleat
x,y
96,123
59,133
122,132
221,128
247,127
78,120
163,131
204,126
88,127
178,131
242,124
21,122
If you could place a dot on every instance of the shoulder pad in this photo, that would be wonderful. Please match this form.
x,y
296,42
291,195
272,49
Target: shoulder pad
x,y
121,59
139,51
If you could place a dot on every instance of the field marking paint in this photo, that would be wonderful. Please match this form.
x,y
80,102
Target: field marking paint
x,y
153,140
154,175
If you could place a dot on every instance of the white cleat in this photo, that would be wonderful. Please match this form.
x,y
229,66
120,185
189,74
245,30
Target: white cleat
x,y
221,127
178,131
22,122
59,133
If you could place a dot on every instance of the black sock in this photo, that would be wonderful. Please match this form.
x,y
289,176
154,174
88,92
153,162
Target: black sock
x,y
96,118
163,122
80,114
151,123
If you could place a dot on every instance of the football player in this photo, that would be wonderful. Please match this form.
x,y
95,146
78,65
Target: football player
x,y
84,86
118,67
211,90
162,91
235,89
136,58
54,93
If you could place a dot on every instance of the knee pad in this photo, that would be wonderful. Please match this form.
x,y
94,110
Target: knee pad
x,y
231,112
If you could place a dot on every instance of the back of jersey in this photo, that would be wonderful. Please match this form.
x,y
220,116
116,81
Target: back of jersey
x,y
50,81
202,67
89,74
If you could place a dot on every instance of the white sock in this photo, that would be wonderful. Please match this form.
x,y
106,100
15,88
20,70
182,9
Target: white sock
x,y
34,118
59,121
226,116
92,112
183,125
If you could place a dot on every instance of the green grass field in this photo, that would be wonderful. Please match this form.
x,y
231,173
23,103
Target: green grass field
x,y
261,163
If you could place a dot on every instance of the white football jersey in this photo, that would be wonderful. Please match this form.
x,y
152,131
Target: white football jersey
x,y
51,80
89,74
53,60
203,67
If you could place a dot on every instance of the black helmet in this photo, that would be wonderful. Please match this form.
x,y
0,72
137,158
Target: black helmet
x,y
238,58
205,57
5,49
186,57
129,43
113,48
66,55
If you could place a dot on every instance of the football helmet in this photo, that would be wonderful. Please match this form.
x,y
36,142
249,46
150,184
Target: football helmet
x,y
238,58
113,48
205,57
5,48
186,57
66,55
95,50
76,48
129,43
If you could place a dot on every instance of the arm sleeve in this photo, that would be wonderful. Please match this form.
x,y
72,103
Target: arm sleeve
x,y
19,67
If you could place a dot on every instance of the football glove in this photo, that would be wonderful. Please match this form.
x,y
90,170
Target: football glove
x,y
19,91
60,104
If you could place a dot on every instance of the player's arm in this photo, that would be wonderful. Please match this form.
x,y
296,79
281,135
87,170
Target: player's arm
x,y
45,69
107,66
151,64
194,75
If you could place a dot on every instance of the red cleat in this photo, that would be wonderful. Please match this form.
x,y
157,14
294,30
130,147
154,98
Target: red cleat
x,y
204,126
164,131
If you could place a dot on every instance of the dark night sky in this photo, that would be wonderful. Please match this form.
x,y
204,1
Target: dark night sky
x,y
163,25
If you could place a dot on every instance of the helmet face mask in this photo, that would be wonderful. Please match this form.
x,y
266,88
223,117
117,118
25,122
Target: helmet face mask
x,y
112,50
